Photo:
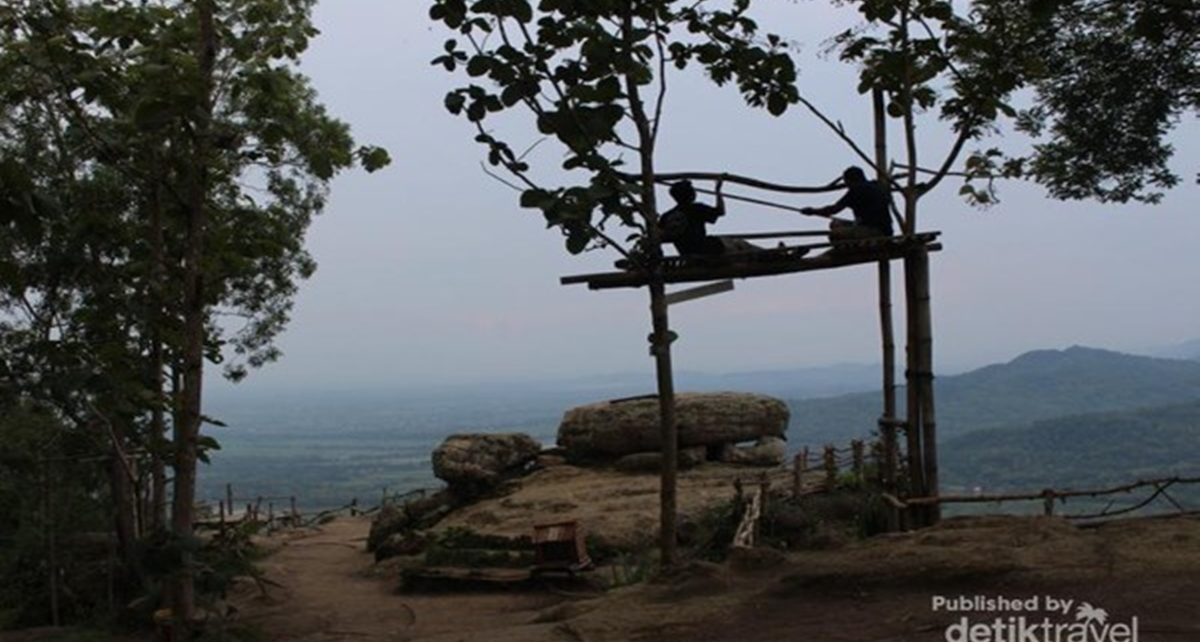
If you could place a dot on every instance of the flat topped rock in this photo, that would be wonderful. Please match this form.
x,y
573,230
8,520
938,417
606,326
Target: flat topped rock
x,y
474,462
612,429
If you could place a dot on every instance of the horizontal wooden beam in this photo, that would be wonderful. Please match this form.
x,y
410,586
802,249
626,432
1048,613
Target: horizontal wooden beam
x,y
691,294
671,177
692,271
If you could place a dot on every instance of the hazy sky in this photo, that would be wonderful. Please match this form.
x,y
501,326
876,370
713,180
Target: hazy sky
x,y
430,272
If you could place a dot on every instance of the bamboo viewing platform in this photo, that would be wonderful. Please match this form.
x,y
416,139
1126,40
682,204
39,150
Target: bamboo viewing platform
x,y
766,262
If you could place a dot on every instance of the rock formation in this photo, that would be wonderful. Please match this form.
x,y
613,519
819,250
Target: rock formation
x,y
610,430
475,463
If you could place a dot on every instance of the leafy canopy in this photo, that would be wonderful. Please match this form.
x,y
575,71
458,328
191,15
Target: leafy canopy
x,y
583,70
1097,85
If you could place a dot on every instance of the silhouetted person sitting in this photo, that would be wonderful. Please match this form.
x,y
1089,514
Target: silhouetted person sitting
x,y
685,225
870,203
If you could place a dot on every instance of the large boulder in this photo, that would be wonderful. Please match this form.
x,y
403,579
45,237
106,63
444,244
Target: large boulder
x,y
389,520
409,516
608,430
473,463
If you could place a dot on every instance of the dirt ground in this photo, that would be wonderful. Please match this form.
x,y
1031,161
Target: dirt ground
x,y
875,590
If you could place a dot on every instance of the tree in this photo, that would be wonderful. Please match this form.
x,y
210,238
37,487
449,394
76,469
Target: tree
x,y
1099,131
1111,81
215,156
594,76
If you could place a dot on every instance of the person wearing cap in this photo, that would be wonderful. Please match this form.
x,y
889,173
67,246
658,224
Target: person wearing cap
x,y
870,204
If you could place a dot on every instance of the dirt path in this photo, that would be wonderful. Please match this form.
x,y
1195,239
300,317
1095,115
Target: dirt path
x,y
874,590
329,592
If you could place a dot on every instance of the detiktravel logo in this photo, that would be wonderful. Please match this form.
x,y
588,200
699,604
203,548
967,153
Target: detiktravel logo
x,y
1040,618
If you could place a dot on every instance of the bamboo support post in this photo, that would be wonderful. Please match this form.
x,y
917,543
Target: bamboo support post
x,y
912,424
887,423
924,349
229,497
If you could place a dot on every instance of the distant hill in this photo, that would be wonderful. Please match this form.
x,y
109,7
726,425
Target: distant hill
x,y
1037,385
1081,451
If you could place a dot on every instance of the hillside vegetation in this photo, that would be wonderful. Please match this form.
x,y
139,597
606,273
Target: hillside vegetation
x,y
1098,448
1039,385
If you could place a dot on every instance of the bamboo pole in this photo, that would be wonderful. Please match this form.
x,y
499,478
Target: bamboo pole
x,y
887,424
928,427
229,497
833,186
912,433
774,235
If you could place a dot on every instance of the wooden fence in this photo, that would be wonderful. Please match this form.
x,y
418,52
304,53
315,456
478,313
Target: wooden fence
x,y
821,471
1050,496
287,514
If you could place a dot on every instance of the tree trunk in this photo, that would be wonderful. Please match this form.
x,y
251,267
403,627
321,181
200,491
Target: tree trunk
x,y
661,336
661,348
124,513
187,423
158,428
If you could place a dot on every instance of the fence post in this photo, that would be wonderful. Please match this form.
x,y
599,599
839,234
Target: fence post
x,y
354,507
294,513
877,457
799,468
856,449
831,467
229,497
1048,502
221,512
270,514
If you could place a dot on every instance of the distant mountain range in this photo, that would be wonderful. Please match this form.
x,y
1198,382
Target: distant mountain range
x,y
815,381
1039,385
